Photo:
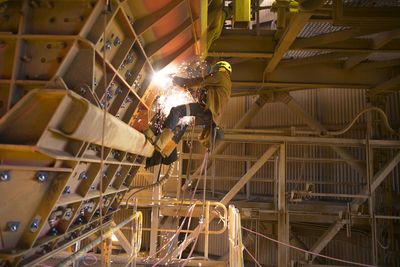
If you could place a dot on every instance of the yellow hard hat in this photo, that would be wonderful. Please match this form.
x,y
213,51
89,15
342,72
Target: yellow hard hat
x,y
223,64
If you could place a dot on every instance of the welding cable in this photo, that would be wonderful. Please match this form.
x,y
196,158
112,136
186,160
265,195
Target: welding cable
x,y
160,182
306,251
251,256
370,109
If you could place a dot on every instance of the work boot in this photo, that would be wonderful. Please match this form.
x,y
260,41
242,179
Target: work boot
x,y
150,135
165,145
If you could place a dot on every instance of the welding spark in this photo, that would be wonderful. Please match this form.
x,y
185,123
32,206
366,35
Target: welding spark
x,y
169,95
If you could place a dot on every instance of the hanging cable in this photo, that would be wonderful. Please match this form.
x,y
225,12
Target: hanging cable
x,y
160,182
370,109
102,154
306,251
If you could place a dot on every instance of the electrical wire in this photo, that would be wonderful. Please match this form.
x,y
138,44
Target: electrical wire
x,y
160,182
369,109
251,255
306,251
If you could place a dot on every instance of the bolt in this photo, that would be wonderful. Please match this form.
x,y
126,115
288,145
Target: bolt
x,y
34,225
67,190
26,59
119,174
79,220
5,176
67,215
117,41
128,74
42,177
53,231
82,90
12,226
109,94
82,176
118,91
107,45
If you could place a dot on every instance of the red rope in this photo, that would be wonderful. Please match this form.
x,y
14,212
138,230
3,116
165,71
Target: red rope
x,y
306,251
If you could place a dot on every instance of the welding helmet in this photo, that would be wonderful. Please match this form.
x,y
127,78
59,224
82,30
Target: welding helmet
x,y
222,64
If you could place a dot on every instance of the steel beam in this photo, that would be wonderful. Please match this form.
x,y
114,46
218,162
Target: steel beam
x,y
157,45
283,216
326,238
245,178
322,75
378,41
249,46
228,197
295,26
97,241
232,136
123,241
386,86
162,63
315,125
378,178
143,24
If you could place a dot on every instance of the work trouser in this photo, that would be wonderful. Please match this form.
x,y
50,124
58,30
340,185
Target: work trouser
x,y
202,117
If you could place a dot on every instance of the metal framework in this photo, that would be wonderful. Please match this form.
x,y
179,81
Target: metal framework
x,y
62,63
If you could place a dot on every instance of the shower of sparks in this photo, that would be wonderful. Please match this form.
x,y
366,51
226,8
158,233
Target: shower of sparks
x,y
171,95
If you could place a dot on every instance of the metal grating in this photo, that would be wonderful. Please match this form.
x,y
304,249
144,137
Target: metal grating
x,y
318,28
371,3
296,54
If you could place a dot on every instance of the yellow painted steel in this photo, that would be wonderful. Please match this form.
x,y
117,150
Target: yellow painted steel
x,y
241,13
138,234
235,238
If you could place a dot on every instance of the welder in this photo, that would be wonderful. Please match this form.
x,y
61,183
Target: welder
x,y
215,91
